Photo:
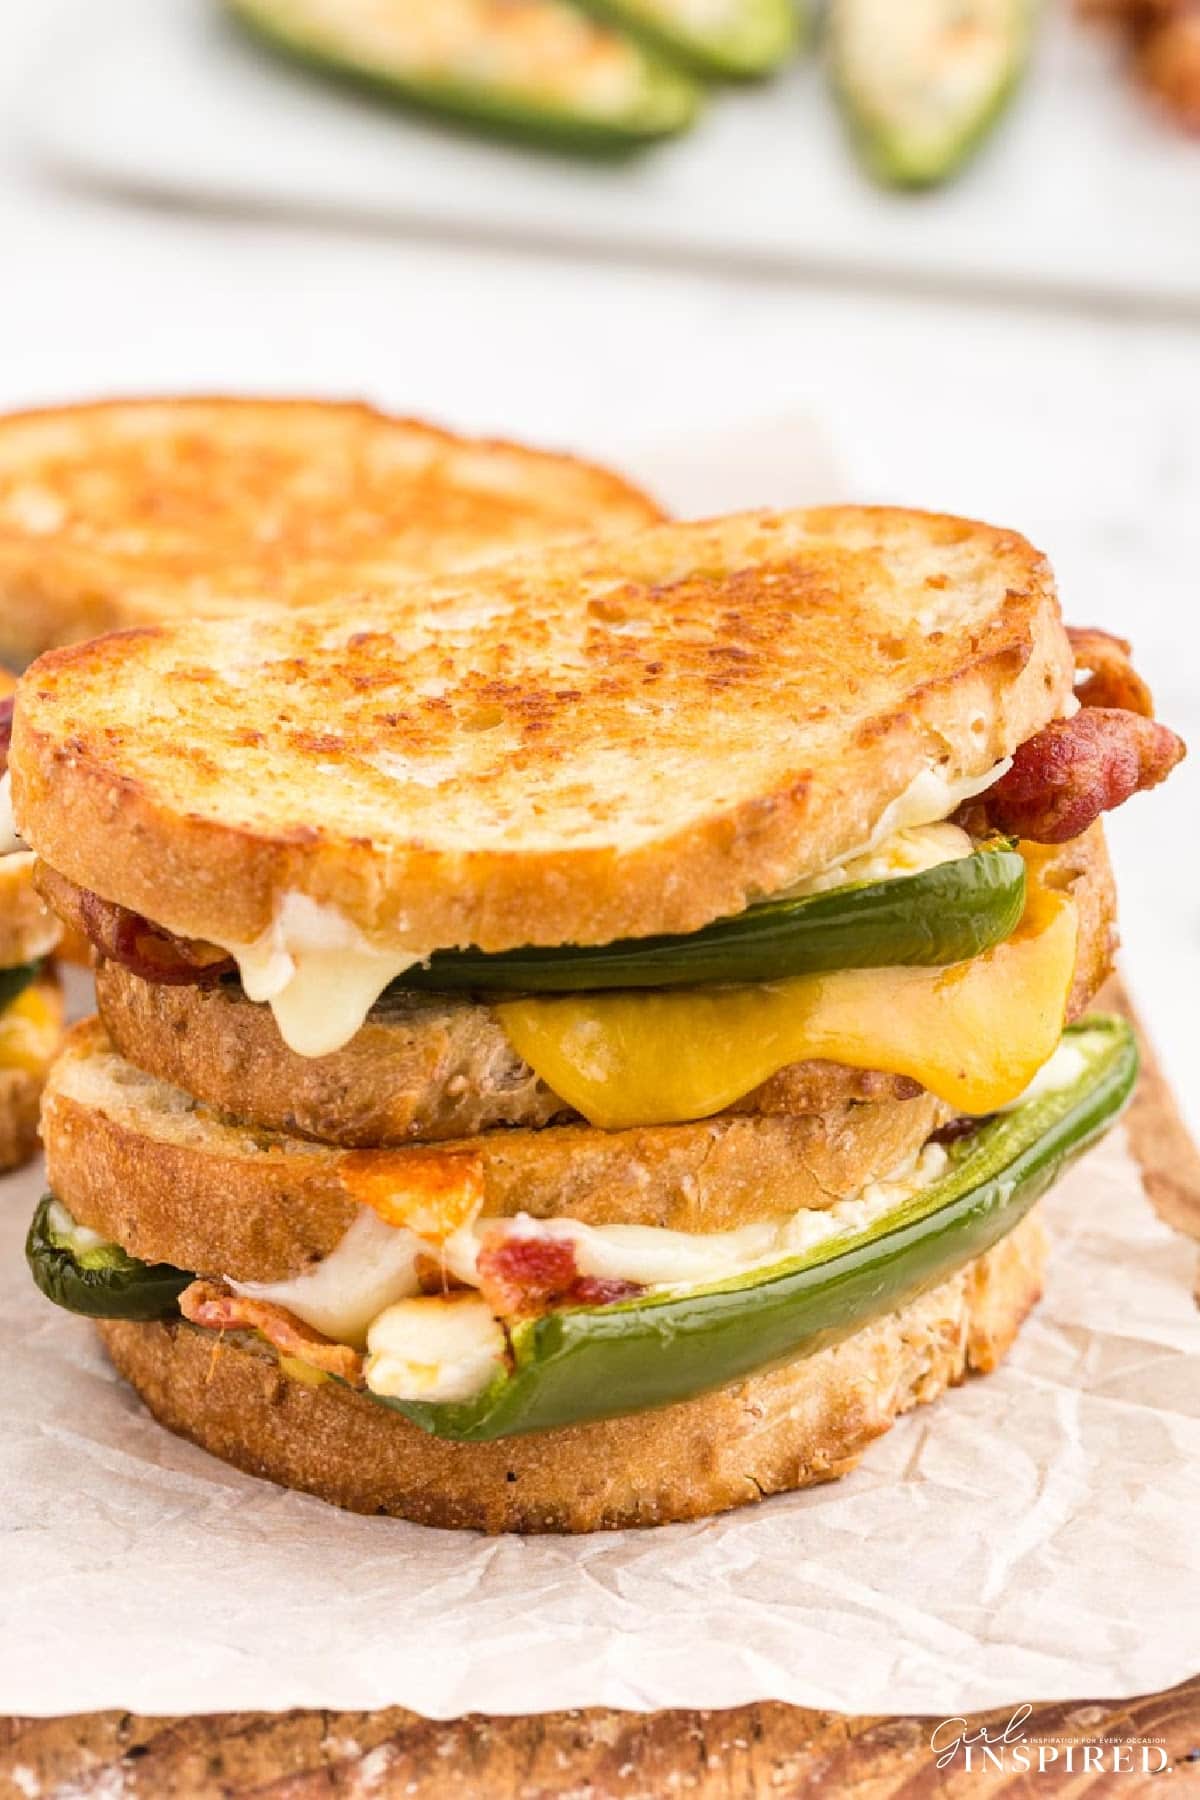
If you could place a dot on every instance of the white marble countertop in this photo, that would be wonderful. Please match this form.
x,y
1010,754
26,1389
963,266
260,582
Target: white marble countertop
x,y
1082,429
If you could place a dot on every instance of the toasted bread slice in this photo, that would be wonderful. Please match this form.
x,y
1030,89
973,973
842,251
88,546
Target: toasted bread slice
x,y
809,1421
602,741
131,511
171,1181
436,1066
30,1032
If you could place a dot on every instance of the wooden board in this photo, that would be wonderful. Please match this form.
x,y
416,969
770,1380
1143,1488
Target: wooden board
x,y
749,1751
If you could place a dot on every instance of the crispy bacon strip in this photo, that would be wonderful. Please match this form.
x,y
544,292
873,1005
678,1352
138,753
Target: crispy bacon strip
x,y
210,1304
1112,679
146,949
1065,777
6,719
523,1276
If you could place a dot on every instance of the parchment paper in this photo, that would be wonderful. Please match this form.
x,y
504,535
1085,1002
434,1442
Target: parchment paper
x,y
1032,1535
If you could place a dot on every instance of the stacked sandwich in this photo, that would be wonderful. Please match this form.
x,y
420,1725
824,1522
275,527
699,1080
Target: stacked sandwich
x,y
31,1012
131,512
582,1044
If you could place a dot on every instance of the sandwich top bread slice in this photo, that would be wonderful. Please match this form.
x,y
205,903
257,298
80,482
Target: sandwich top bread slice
x,y
131,511
588,744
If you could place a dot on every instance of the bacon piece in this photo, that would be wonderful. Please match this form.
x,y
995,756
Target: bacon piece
x,y
1112,679
1065,777
603,1290
523,1276
146,949
210,1304
6,719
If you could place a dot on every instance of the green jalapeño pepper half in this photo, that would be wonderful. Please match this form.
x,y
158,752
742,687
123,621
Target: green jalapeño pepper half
x,y
921,86
541,71
946,914
77,1270
737,40
598,1362
601,1362
13,982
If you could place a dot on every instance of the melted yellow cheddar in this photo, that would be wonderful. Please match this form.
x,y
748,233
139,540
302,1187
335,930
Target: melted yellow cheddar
x,y
975,1034
30,1029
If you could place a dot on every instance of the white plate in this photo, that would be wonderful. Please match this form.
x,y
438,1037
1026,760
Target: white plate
x,y
1083,193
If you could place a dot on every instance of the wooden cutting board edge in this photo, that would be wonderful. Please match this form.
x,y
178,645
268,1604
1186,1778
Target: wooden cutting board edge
x,y
760,1750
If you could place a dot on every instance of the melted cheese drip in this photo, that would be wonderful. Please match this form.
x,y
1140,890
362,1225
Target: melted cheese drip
x,y
373,1266
975,1033
317,973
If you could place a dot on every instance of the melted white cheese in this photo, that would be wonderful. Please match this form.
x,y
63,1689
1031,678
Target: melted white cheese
x,y
442,1347
317,973
373,1266
668,1260
905,852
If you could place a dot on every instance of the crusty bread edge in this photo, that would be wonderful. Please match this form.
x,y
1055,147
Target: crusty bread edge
x,y
807,1422
51,596
207,879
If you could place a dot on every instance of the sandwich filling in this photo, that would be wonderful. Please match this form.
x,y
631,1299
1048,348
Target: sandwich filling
x,y
475,1326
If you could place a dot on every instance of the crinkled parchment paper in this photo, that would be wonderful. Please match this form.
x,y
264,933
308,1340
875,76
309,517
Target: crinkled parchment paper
x,y
1032,1535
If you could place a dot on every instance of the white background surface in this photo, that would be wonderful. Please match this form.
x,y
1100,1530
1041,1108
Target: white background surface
x,y
1079,425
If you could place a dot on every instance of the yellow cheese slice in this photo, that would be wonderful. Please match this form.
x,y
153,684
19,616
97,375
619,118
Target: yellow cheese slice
x,y
30,1029
975,1033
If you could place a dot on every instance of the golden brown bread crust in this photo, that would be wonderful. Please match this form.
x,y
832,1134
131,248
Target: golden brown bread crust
x,y
170,1182
591,743
433,1066
807,1422
127,512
